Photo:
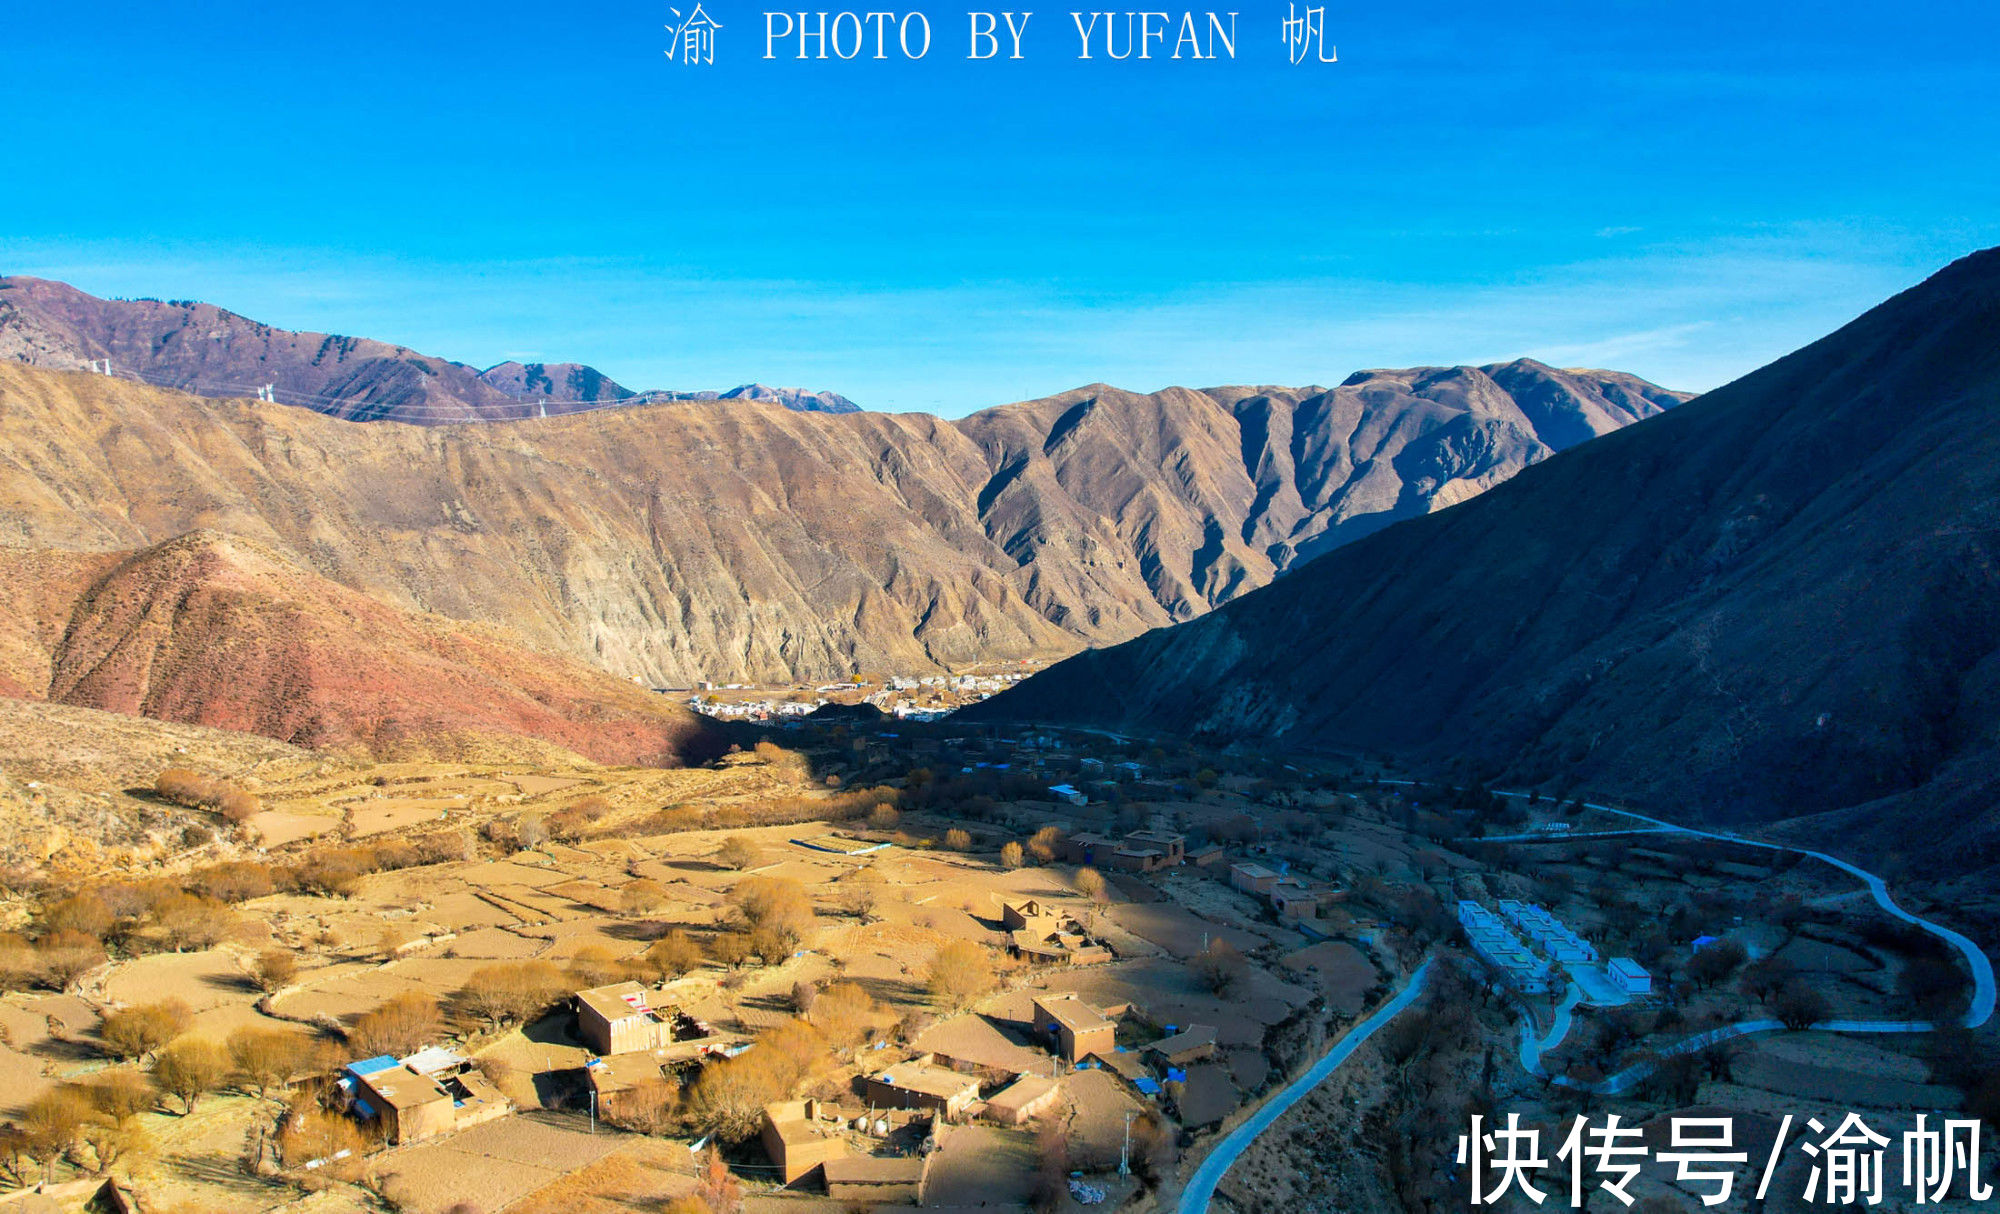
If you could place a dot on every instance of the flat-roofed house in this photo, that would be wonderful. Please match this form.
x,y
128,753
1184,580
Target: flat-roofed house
x,y
1252,878
620,1019
1051,944
800,1138
1085,847
1191,1044
1077,1028
413,1105
1630,976
1016,915
1171,846
1024,1099
1292,900
873,1180
921,1084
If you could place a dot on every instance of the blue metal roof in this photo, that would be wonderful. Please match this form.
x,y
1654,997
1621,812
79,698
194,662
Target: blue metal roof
x,y
368,1066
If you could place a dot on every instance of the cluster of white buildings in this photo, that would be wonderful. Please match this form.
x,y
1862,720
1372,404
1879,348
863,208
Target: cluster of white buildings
x,y
1534,959
753,710
1550,936
964,684
1500,948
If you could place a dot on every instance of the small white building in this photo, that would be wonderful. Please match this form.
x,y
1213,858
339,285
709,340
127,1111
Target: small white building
x,y
1630,977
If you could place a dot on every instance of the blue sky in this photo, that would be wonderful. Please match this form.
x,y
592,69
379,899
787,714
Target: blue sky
x,y
1681,190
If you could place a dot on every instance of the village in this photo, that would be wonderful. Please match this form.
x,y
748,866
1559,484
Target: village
x,y
913,697
857,962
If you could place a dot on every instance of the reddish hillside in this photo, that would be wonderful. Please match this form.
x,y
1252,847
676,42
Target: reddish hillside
x,y
212,630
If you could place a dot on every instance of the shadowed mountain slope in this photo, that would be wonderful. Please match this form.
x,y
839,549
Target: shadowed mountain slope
x,y
1782,599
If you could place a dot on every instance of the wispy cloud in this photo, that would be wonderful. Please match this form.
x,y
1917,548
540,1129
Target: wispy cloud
x,y
1688,315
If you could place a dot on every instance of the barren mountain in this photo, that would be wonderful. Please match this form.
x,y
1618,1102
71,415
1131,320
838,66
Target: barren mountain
x,y
1782,599
216,631
564,382
742,541
213,352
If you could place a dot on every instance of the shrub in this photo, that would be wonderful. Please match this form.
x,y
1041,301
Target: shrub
x,y
511,992
185,921
1219,967
137,1031
65,956
238,805
1090,883
1012,855
729,949
401,1026
316,1134
673,954
121,1091
274,968
958,840
959,973
737,852
1799,1005
266,1058
844,1013
190,1068
643,897
196,791
776,911
649,1108
237,881
86,913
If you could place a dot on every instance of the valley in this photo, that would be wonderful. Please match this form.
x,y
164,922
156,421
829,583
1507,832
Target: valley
x,y
704,806
855,902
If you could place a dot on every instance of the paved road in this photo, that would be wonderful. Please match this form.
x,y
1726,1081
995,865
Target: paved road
x,y
1201,1186
1978,1011
1977,963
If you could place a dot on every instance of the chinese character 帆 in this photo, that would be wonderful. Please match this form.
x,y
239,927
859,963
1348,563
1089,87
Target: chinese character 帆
x,y
1932,1157
1307,35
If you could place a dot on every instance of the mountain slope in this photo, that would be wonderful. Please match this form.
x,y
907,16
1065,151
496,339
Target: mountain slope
x,y
213,352
216,631
745,542
1781,599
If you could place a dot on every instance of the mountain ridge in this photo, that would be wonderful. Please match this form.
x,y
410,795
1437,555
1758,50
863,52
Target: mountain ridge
x,y
1776,602
214,352
749,543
